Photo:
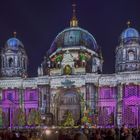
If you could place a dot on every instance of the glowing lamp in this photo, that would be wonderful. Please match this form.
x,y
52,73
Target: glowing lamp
x,y
48,132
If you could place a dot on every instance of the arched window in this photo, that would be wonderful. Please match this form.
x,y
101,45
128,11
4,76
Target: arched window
x,y
131,55
3,62
10,96
10,62
24,63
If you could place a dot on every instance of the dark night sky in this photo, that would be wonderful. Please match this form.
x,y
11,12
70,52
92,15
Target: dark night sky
x,y
37,23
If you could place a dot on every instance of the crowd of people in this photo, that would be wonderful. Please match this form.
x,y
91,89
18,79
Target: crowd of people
x,y
72,134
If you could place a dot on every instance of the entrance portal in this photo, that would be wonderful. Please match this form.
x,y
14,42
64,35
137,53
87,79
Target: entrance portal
x,y
69,102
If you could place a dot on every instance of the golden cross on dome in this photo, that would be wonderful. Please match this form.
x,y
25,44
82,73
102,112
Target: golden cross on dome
x,y
74,21
74,10
15,34
128,24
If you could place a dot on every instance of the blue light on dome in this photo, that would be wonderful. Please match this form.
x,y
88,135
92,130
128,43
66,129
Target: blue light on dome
x,y
130,33
14,43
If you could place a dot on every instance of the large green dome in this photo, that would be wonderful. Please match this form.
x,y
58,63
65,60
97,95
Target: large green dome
x,y
73,37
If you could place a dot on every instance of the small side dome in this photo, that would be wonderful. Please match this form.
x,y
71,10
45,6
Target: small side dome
x,y
14,43
129,33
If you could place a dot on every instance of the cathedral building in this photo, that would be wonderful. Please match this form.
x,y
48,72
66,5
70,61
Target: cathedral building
x,y
70,79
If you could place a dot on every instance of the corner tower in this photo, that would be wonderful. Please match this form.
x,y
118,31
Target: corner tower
x,y
13,58
128,51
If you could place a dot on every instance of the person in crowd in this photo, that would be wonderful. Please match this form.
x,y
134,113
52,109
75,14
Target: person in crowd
x,y
138,135
110,135
80,136
97,135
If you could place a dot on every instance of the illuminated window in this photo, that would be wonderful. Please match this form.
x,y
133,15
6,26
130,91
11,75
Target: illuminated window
x,y
31,97
131,55
10,96
131,91
107,93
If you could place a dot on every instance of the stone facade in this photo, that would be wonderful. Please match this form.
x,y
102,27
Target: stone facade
x,y
70,79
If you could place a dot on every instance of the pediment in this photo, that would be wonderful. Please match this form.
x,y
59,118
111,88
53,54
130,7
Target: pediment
x,y
68,58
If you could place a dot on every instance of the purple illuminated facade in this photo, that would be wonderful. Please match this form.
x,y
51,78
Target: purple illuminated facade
x,y
107,105
70,79
13,99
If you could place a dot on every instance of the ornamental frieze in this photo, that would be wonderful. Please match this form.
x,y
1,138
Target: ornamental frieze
x,y
58,82
128,78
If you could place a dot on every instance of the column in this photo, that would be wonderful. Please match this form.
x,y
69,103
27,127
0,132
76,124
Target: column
x,y
48,98
119,105
39,98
